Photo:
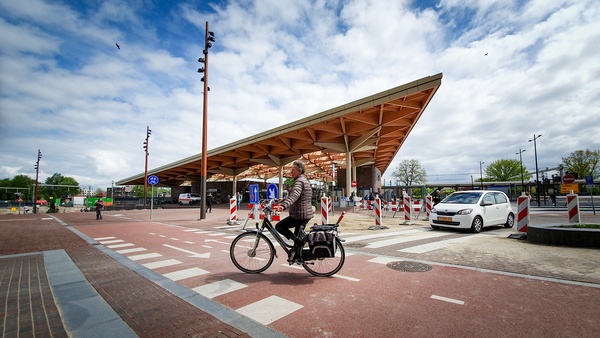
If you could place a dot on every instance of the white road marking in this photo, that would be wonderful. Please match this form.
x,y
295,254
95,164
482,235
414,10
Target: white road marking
x,y
450,300
126,251
183,274
383,260
269,309
188,242
161,264
115,246
112,241
103,238
219,288
382,234
144,256
193,254
398,240
436,245
215,241
175,239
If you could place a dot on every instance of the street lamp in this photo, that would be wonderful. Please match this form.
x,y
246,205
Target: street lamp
x,y
148,132
521,162
209,37
37,171
481,173
537,179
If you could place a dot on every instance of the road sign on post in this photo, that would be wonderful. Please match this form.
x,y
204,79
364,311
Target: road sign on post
x,y
568,179
272,192
153,180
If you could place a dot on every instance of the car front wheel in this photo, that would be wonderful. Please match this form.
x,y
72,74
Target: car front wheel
x,y
510,221
477,224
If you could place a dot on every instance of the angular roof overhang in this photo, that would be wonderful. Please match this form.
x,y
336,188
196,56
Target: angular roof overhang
x,y
372,129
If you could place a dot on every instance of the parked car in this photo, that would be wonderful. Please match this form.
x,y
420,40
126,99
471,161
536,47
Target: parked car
x,y
189,198
473,209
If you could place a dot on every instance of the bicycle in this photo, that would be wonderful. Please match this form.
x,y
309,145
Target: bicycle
x,y
254,252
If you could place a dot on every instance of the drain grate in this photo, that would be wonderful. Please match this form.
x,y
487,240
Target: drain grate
x,y
408,266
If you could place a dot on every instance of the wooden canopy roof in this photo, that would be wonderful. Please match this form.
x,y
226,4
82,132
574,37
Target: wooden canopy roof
x,y
372,129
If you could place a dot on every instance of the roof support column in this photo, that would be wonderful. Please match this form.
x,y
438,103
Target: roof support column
x,y
280,182
349,173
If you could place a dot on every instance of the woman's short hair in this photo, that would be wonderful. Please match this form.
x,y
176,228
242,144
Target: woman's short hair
x,y
300,166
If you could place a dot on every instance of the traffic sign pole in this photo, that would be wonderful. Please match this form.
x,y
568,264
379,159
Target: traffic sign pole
x,y
152,180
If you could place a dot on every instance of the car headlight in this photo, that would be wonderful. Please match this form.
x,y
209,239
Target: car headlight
x,y
433,211
464,211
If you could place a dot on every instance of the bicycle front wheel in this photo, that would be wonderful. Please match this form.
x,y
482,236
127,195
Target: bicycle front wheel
x,y
252,252
325,267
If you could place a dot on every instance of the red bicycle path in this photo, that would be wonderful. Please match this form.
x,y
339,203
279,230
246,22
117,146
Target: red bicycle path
x,y
372,300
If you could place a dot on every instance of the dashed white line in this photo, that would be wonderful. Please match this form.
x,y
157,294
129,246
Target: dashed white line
x,y
449,300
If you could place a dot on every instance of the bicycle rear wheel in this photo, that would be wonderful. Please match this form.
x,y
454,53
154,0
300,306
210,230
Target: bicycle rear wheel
x,y
325,267
250,260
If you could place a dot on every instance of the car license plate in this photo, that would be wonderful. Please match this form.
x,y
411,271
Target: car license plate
x,y
445,219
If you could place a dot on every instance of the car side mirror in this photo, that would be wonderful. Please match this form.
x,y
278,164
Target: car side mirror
x,y
484,204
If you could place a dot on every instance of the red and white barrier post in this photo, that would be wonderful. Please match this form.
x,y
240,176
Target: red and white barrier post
x,y
522,212
232,211
324,210
377,212
428,206
407,206
573,207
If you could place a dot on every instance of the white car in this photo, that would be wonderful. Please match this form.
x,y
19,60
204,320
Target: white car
x,y
473,209
189,198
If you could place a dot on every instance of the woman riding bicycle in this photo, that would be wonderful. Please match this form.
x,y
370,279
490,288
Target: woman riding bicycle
x,y
300,209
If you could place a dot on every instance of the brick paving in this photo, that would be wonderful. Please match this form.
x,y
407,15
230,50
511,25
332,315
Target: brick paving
x,y
27,305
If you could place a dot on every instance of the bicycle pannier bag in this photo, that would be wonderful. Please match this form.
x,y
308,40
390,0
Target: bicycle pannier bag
x,y
321,243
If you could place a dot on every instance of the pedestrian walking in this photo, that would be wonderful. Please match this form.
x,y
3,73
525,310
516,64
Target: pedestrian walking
x,y
99,207
209,202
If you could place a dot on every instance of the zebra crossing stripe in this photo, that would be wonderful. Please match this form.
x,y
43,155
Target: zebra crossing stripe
x,y
112,241
161,264
270,309
116,246
383,234
183,274
392,241
222,287
144,256
126,251
436,245
99,239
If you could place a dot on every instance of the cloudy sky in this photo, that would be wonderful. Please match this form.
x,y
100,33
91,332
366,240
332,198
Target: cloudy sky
x,y
511,69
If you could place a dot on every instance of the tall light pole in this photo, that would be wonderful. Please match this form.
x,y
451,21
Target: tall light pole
x,y
209,37
481,174
537,178
521,162
37,171
148,132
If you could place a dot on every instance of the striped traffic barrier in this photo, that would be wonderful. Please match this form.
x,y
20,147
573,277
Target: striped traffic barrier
x,y
573,207
377,211
324,210
394,206
522,212
407,207
428,206
232,211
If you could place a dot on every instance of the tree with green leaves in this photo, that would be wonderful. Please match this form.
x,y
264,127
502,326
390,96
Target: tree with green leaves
x,y
19,181
582,162
506,170
59,186
410,173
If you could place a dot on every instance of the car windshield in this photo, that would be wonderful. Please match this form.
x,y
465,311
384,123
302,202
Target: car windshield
x,y
462,198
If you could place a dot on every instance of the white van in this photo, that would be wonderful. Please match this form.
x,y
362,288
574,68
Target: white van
x,y
189,198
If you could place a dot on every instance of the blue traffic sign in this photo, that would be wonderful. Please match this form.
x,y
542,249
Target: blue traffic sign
x,y
272,192
152,180
254,193
589,181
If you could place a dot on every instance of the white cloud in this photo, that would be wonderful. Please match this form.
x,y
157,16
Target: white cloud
x,y
67,89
